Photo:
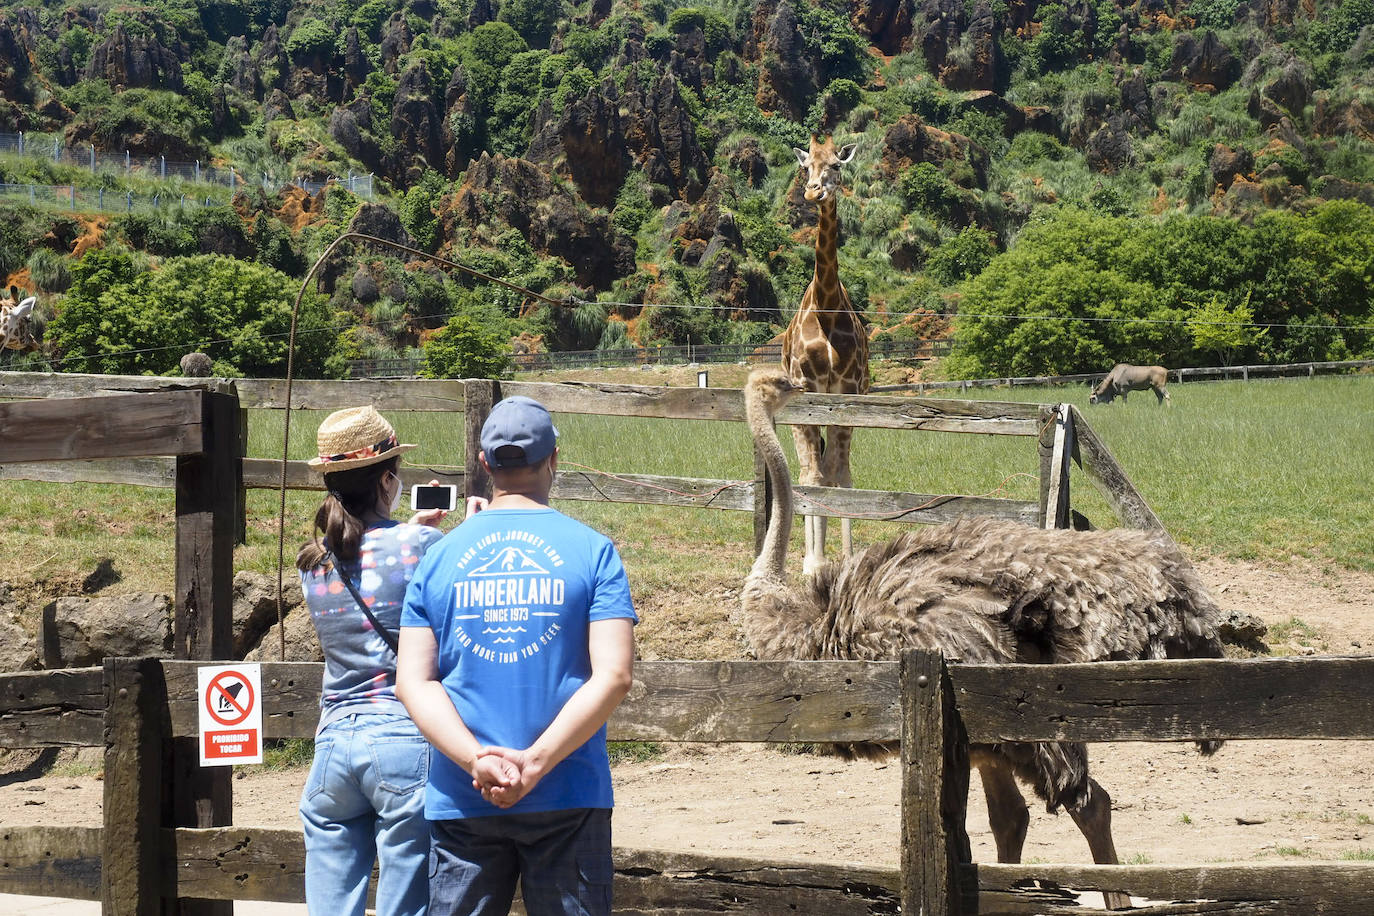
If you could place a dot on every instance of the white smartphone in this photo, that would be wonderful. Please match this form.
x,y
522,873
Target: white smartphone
x,y
424,496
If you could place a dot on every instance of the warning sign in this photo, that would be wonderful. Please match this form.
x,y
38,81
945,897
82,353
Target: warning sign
x,y
230,714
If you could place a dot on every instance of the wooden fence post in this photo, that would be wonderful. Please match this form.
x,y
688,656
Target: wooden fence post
x,y
478,397
207,505
1055,456
935,772
1103,467
137,740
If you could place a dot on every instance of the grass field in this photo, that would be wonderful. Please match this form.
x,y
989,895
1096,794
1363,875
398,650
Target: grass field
x,y
1264,470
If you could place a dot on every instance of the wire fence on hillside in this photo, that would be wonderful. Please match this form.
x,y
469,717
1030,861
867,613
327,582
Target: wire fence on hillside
x,y
51,147
688,354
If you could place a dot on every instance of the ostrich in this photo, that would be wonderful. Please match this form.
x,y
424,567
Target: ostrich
x,y
981,591
196,365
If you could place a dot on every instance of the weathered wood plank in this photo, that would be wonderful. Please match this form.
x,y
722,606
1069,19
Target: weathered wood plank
x,y
1331,889
236,863
51,861
670,701
760,701
255,863
118,426
26,385
1111,478
935,774
326,394
139,472
290,697
650,882
992,417
643,489
52,708
1172,700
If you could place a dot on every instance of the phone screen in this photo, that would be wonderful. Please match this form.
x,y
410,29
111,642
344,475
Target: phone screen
x,y
424,497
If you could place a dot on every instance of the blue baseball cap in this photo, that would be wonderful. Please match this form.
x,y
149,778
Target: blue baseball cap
x,y
518,433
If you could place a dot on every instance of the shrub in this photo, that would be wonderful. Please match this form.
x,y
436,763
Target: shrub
x,y
48,271
120,318
313,36
533,19
962,256
926,188
416,210
465,349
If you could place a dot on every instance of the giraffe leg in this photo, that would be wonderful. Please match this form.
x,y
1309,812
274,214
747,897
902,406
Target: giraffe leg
x,y
836,473
810,454
1094,820
1007,813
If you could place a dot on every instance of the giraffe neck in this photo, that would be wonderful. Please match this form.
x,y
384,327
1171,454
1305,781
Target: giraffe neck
x,y
825,284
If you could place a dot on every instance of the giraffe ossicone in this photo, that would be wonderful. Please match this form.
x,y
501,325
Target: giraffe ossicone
x,y
825,345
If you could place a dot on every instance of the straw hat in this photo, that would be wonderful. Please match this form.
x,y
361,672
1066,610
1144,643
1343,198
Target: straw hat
x,y
353,438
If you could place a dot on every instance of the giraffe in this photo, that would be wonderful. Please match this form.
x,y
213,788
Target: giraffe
x,y
16,323
825,346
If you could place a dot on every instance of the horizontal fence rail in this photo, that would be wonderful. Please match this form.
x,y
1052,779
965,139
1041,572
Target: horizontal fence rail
x,y
1196,374
829,701
1310,698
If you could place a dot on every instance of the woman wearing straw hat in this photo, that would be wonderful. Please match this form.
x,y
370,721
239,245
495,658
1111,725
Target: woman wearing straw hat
x,y
364,798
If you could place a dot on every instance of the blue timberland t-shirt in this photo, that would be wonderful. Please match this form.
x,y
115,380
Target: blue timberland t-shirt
x,y
510,594
359,667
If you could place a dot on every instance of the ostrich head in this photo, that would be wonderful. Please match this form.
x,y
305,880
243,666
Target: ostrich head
x,y
767,391
822,167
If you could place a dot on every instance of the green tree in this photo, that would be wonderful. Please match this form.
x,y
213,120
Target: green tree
x,y
119,318
1224,330
533,19
962,256
465,349
416,210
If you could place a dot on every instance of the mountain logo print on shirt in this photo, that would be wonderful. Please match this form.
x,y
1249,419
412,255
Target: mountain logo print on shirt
x,y
508,596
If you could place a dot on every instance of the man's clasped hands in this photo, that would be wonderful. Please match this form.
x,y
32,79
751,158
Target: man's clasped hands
x,y
504,775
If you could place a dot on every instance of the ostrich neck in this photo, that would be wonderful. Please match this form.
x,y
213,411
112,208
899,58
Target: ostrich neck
x,y
772,560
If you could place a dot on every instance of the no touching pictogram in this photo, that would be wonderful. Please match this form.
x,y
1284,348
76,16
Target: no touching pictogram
x,y
229,699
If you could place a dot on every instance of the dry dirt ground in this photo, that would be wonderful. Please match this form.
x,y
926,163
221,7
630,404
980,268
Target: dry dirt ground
x,y
1290,801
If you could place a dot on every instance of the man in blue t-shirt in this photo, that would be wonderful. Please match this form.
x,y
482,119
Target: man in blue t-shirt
x,y
517,644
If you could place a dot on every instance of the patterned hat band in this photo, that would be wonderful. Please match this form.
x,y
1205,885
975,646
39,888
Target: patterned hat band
x,y
367,451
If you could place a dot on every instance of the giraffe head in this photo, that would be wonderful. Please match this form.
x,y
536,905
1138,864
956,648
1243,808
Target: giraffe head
x,y
822,166
16,323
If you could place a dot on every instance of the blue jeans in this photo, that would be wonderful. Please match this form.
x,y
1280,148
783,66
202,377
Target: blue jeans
x,y
562,858
365,800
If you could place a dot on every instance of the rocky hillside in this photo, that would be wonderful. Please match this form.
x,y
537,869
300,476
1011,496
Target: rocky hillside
x,y
639,151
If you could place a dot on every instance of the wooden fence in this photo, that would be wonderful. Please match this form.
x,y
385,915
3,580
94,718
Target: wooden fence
x,y
1060,430
166,833
137,707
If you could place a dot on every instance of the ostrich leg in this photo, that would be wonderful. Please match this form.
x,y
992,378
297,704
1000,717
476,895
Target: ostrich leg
x,y
1094,820
1007,813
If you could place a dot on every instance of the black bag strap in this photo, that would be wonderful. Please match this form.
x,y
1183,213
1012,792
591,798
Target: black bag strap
x,y
376,624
